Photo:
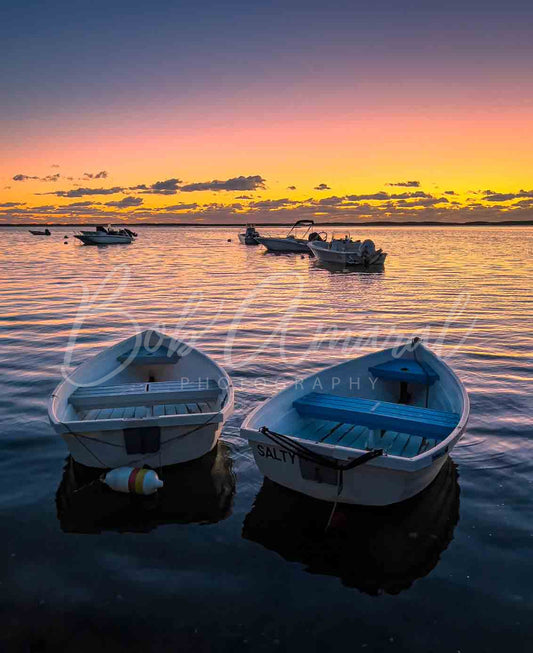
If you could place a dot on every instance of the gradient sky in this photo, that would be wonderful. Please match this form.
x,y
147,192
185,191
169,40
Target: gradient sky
x,y
216,112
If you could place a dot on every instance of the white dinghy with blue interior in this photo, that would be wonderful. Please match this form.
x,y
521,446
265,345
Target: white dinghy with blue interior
x,y
375,430
149,400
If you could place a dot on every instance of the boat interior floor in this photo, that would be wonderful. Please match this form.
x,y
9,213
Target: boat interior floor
x,y
359,437
142,412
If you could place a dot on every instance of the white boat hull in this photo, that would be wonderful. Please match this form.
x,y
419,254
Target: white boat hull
x,y
117,422
104,239
105,449
381,481
345,258
292,245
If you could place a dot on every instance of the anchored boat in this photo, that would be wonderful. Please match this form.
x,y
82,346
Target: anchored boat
x,y
37,232
345,251
106,236
374,431
149,399
291,243
250,236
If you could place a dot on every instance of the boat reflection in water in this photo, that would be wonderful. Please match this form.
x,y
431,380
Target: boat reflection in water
x,y
376,550
199,491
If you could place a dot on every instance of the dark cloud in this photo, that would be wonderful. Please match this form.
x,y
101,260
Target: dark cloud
x,y
126,202
167,187
291,187
81,204
80,192
243,197
505,197
405,184
6,205
382,196
450,192
103,174
322,187
252,182
20,177
179,207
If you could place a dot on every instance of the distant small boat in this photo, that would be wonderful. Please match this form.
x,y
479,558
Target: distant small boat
x,y
290,243
107,236
374,430
250,236
36,232
345,251
149,399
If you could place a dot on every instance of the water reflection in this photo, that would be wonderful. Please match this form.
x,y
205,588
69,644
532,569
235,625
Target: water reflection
x,y
377,550
200,491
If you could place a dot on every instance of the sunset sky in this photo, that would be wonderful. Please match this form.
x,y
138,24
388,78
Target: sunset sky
x,y
210,111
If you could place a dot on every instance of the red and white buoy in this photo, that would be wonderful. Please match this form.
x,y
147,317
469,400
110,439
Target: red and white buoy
x,y
135,480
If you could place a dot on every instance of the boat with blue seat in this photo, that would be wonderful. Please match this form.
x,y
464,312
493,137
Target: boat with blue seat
x,y
150,399
374,430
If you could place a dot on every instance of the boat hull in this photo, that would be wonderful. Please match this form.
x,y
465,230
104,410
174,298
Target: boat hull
x,y
347,258
288,245
248,240
383,480
122,429
105,449
104,239
365,485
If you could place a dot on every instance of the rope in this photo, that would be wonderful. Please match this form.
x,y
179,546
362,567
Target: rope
x,y
80,437
312,456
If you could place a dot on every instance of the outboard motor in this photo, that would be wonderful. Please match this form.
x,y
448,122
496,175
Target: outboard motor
x,y
368,247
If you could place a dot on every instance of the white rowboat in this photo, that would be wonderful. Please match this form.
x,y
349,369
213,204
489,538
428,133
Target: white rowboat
x,y
374,430
149,400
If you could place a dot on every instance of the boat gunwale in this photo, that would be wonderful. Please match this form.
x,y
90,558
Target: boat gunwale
x,y
391,461
60,425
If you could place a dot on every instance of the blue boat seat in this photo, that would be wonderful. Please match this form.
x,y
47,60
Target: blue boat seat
x,y
161,356
144,394
378,415
407,370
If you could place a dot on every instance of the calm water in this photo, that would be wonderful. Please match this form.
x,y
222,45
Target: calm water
x,y
222,561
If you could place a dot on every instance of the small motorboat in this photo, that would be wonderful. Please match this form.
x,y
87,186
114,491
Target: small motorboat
x,y
374,430
106,236
37,232
250,236
292,243
199,491
148,400
376,550
345,251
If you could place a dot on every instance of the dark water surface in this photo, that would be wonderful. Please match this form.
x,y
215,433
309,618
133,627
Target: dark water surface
x,y
221,560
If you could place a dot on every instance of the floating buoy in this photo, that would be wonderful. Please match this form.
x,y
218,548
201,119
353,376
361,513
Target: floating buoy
x,y
135,480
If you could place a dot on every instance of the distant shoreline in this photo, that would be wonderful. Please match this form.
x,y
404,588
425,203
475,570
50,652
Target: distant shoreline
x,y
477,223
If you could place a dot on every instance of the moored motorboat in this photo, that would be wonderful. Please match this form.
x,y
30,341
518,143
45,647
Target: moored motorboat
x,y
374,430
149,399
37,232
107,236
291,243
250,236
347,252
